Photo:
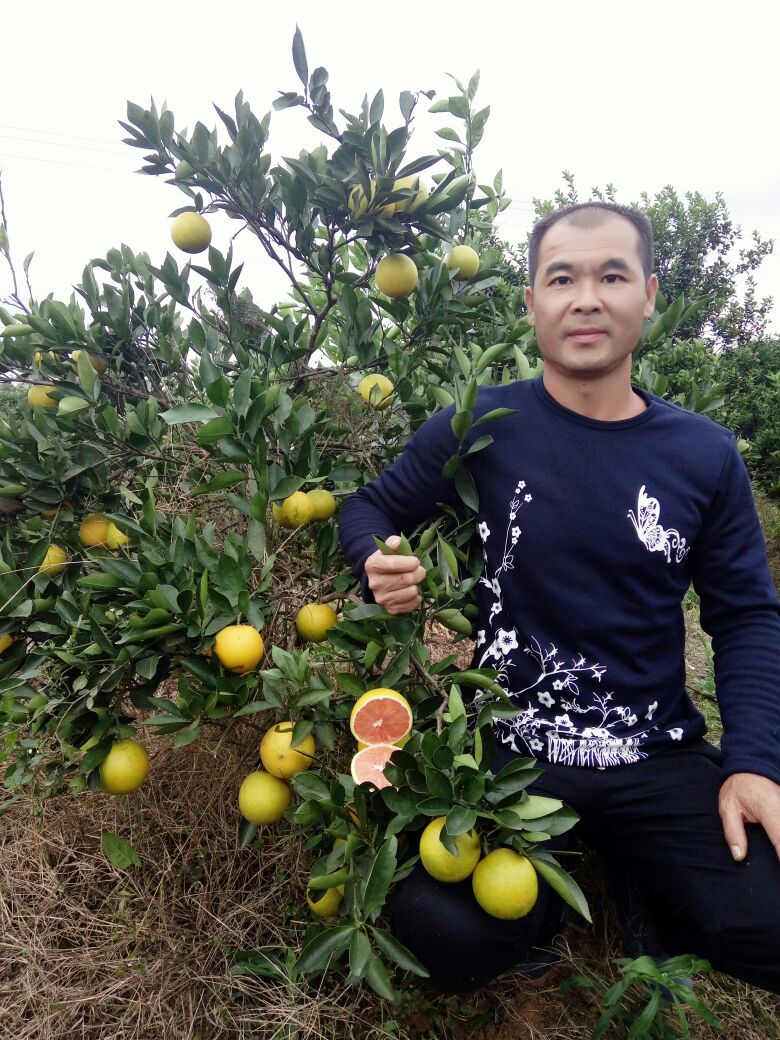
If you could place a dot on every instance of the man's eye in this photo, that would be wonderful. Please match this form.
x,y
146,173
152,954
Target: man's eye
x,y
620,276
559,279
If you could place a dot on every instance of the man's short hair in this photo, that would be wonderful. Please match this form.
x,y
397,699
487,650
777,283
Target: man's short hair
x,y
586,214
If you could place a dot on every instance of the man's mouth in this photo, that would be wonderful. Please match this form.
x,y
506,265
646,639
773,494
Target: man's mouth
x,y
586,335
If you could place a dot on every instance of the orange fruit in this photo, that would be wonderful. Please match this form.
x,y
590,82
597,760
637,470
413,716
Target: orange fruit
x,y
54,561
326,902
323,502
263,798
38,396
124,768
295,511
397,275
98,363
278,755
381,716
369,765
440,862
115,537
398,743
386,395
239,648
191,232
94,530
313,621
464,261
505,884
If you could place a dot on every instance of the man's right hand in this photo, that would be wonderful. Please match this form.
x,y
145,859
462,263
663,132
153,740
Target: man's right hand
x,y
393,579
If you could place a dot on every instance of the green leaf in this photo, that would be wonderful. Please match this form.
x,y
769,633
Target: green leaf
x,y
350,684
228,478
491,355
324,946
286,487
397,952
455,703
565,885
448,134
70,405
88,379
309,785
535,806
118,852
214,430
359,954
188,735
299,57
246,833
380,877
494,413
454,621
460,820
480,443
186,413
379,980
461,424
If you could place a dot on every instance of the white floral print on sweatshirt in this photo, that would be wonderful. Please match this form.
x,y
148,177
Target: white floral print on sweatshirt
x,y
561,712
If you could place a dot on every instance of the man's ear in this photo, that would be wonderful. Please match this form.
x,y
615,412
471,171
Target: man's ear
x,y
529,302
651,289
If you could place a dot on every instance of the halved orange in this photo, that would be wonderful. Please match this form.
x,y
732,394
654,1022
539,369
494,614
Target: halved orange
x,y
381,716
398,743
369,764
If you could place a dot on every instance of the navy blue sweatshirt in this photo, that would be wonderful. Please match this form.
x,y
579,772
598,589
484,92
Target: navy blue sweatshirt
x,y
592,532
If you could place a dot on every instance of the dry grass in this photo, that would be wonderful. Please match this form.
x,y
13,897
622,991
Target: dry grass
x,y
92,952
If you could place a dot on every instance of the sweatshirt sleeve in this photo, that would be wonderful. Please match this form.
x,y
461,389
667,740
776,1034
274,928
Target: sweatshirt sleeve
x,y
401,496
740,611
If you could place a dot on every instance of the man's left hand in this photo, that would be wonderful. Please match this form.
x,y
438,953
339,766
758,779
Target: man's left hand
x,y
749,798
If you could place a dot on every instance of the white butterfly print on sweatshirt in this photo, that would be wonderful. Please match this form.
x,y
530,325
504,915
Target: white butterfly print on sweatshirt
x,y
654,537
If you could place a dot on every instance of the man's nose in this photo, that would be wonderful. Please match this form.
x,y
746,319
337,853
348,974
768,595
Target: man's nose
x,y
586,297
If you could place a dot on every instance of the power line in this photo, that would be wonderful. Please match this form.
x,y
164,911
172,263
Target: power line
x,y
61,162
55,133
109,169
58,144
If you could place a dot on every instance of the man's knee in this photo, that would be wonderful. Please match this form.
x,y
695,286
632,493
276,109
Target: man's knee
x,y
462,947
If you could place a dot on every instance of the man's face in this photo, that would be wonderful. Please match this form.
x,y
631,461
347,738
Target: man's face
x,y
590,278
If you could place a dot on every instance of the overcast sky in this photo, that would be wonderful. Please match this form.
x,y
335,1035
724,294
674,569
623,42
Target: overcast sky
x,y
637,94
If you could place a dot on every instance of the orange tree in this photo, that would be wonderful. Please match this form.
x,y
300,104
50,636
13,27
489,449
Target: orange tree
x,y
161,474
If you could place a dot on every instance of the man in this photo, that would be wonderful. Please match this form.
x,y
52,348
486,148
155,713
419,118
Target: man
x,y
599,505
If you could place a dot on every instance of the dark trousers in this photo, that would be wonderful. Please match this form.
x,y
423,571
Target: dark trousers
x,y
654,822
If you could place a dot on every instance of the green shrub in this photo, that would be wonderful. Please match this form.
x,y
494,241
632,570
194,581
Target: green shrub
x,y
751,379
